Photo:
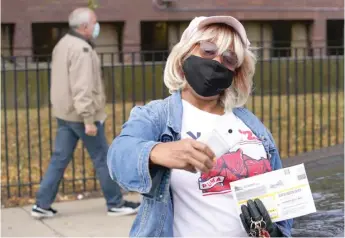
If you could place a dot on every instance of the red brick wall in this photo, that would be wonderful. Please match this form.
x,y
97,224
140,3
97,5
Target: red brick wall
x,y
24,12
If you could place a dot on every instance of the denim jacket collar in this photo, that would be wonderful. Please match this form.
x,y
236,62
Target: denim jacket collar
x,y
175,112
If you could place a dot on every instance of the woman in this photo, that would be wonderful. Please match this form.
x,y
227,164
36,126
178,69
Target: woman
x,y
186,191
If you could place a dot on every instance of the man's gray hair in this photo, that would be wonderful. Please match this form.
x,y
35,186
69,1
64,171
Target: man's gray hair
x,y
79,17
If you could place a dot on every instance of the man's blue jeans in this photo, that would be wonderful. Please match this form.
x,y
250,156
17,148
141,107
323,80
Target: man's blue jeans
x,y
68,134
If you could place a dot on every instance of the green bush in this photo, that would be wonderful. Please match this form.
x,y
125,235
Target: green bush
x,y
144,82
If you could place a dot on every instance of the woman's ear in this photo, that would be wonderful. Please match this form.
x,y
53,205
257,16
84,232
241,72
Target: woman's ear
x,y
180,71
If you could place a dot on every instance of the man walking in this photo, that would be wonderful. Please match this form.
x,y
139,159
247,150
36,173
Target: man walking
x,y
78,101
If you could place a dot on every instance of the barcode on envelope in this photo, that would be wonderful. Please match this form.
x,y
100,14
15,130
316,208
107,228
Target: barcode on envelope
x,y
301,176
250,193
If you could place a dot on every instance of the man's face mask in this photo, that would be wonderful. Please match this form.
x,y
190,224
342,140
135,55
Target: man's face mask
x,y
207,77
96,30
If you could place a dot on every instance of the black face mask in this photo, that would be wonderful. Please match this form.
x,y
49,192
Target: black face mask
x,y
207,77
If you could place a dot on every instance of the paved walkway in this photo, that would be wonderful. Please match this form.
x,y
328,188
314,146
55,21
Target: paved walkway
x,y
85,218
88,218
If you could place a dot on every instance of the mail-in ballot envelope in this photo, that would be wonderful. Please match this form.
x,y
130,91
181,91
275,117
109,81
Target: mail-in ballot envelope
x,y
285,192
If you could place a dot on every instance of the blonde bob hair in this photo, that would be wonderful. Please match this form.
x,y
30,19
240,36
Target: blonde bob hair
x,y
226,39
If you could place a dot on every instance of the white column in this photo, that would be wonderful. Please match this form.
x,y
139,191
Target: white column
x,y
299,36
267,37
173,37
254,32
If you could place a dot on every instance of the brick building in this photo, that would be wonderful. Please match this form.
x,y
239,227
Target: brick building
x,y
33,27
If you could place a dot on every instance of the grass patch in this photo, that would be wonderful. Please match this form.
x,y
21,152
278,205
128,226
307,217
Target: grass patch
x,y
299,124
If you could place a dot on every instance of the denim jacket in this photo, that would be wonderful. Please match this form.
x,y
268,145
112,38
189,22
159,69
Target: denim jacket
x,y
128,161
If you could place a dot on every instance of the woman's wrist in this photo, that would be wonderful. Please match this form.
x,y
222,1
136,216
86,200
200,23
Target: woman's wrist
x,y
154,155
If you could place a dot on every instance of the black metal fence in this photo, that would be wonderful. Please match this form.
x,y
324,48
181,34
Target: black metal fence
x,y
299,98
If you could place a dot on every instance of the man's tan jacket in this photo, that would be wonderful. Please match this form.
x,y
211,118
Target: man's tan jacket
x,y
77,91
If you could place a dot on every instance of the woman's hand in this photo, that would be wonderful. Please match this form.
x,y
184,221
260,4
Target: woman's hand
x,y
257,221
187,154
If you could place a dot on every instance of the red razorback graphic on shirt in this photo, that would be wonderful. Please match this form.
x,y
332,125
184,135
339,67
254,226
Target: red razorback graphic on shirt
x,y
231,167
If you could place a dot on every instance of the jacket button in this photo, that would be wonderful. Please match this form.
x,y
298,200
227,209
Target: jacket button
x,y
166,138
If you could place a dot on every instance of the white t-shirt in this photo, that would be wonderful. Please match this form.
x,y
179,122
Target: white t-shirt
x,y
203,203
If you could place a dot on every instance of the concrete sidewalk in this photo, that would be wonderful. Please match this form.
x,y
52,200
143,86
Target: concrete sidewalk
x,y
83,218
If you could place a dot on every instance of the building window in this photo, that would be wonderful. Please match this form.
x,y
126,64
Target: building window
x,y
44,38
281,39
157,38
154,40
7,32
335,37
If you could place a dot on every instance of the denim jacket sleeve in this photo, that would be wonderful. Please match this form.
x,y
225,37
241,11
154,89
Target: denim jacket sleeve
x,y
128,155
286,225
